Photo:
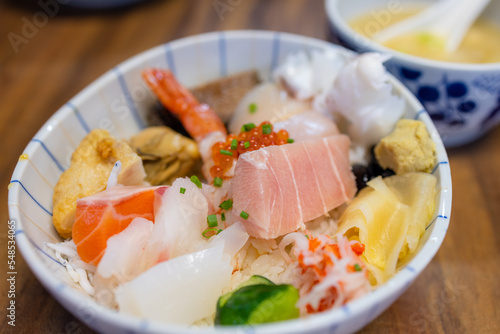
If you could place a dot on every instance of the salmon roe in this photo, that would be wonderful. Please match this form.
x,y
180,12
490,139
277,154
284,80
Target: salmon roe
x,y
250,138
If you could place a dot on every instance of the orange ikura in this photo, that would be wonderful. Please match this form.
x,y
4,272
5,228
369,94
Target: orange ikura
x,y
251,138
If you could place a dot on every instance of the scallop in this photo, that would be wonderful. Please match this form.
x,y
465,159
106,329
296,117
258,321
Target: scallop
x,y
266,102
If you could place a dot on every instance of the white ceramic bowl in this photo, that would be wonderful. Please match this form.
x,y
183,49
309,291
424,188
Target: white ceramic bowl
x,y
117,101
462,99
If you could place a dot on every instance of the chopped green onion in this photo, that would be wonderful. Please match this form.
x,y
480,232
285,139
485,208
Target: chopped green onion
x,y
212,220
357,267
247,144
196,181
247,127
290,140
217,182
307,236
244,215
223,216
267,129
226,152
234,144
211,229
183,190
227,204
252,107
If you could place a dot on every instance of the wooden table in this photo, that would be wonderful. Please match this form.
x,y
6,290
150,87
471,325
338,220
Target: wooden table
x,y
459,292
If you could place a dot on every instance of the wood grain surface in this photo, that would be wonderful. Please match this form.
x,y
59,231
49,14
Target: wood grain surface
x,y
458,292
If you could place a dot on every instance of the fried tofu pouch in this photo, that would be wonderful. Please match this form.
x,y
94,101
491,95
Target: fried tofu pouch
x,y
90,166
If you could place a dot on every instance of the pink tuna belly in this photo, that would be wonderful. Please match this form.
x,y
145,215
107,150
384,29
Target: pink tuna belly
x,y
282,187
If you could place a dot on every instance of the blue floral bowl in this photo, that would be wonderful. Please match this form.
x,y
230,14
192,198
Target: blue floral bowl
x,y
463,100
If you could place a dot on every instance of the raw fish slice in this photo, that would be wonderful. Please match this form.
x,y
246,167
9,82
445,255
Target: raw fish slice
x,y
107,213
306,75
179,291
233,238
308,125
216,195
363,96
180,220
273,104
282,187
120,262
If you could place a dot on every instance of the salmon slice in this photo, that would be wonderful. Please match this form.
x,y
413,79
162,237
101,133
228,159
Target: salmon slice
x,y
282,187
100,216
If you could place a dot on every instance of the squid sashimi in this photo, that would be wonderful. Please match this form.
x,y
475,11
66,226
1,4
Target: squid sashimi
x,y
180,218
278,188
233,238
121,260
194,281
107,213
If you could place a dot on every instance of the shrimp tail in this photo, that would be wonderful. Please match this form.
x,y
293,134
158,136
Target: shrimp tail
x,y
197,118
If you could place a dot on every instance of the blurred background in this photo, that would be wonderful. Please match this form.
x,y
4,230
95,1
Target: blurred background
x,y
50,50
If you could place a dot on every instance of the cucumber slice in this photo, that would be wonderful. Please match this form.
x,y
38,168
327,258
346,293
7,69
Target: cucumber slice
x,y
259,303
255,279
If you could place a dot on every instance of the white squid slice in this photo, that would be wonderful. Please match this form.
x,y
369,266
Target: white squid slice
x,y
179,291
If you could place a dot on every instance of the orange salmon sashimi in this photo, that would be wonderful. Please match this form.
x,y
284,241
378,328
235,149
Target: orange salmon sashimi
x,y
100,216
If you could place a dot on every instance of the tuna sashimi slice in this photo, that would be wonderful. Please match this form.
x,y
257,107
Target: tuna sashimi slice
x,y
282,187
100,216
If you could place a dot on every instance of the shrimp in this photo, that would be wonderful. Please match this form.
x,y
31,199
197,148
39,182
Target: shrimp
x,y
199,120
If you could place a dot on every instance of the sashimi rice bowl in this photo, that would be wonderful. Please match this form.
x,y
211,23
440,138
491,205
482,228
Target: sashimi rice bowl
x,y
253,181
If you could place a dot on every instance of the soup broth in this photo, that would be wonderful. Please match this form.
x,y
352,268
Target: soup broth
x,y
481,44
